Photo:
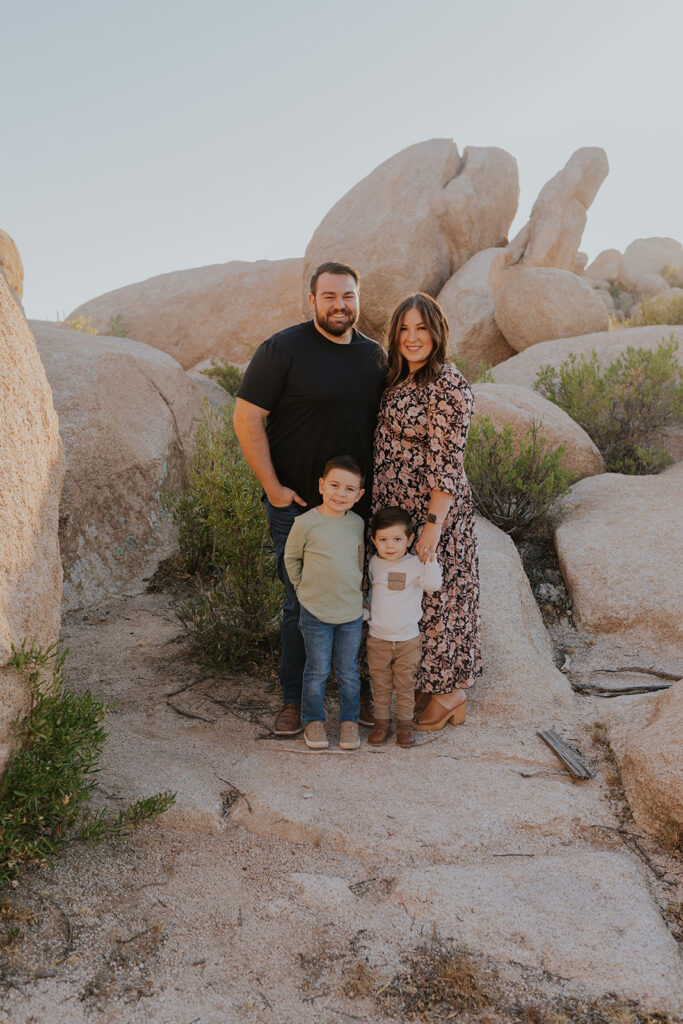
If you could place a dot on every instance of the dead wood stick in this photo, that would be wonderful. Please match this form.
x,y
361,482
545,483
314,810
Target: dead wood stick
x,y
543,771
190,714
200,679
567,754
645,671
234,788
138,935
623,691
514,854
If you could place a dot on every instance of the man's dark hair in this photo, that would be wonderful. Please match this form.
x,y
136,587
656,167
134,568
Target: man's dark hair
x,y
334,268
346,462
391,516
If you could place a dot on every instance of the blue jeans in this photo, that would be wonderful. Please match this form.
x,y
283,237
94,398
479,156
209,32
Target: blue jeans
x,y
326,645
293,657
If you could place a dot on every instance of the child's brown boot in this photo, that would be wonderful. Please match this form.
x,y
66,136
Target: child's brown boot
x,y
381,731
405,734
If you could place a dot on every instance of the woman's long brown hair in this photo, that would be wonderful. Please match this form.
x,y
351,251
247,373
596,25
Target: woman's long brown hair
x,y
432,315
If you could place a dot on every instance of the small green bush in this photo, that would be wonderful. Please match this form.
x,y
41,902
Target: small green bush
x,y
228,376
83,324
224,539
514,483
623,406
52,773
115,328
656,309
479,374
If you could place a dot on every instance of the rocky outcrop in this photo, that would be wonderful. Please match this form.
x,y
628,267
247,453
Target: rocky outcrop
x,y
223,311
518,406
617,541
415,220
520,681
467,302
639,269
552,236
10,264
126,416
522,368
31,473
649,756
537,304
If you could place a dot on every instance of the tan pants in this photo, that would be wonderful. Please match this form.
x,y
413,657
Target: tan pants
x,y
393,664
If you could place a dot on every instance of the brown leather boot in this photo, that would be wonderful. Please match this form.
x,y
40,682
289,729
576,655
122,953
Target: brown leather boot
x,y
405,734
381,731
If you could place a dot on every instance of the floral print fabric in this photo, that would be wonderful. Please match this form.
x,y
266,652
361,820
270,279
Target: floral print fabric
x,y
419,447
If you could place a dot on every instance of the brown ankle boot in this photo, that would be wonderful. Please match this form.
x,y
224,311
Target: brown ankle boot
x,y
381,731
405,734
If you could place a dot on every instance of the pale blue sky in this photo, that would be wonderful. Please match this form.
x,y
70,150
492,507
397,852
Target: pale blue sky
x,y
142,137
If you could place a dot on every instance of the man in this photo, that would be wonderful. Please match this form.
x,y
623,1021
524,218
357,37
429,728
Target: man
x,y
319,384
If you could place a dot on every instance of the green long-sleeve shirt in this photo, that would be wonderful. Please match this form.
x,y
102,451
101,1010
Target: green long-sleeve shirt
x,y
324,561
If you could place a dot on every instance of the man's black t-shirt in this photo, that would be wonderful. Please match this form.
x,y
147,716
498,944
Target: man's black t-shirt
x,y
322,399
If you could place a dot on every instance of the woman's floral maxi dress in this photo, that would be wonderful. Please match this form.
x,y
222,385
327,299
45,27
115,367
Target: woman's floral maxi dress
x,y
419,447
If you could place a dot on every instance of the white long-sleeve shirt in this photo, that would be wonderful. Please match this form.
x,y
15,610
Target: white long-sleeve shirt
x,y
396,590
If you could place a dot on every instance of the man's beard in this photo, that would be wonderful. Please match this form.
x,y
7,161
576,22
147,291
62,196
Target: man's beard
x,y
336,327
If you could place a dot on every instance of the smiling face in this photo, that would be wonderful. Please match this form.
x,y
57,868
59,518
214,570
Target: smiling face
x,y
414,340
392,542
340,490
335,304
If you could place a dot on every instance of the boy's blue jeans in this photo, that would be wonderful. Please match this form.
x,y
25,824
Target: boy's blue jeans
x,y
327,645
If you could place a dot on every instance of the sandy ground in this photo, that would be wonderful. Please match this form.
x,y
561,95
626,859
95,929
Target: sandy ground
x,y
286,886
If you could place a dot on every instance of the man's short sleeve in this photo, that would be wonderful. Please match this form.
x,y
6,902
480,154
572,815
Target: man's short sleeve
x,y
265,378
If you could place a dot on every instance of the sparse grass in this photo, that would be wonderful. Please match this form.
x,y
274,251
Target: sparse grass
x,y
53,771
443,982
672,835
514,481
624,406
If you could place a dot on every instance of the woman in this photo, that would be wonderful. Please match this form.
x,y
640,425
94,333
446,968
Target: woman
x,y
418,464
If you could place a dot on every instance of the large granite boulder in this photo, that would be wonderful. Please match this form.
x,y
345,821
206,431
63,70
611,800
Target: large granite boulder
x,y
536,304
31,473
415,220
10,264
618,541
639,269
522,368
552,236
127,413
520,682
649,756
467,302
223,311
520,407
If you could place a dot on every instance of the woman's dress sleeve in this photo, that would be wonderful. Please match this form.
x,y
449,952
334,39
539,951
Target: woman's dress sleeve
x,y
449,410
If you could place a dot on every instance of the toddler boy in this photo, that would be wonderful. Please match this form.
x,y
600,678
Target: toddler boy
x,y
324,561
397,582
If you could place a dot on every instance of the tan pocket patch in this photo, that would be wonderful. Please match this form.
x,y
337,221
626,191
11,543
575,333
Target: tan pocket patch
x,y
397,580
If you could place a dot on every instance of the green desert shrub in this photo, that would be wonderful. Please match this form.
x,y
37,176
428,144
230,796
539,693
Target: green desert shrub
x,y
53,771
225,542
115,327
622,407
228,376
656,309
479,374
514,481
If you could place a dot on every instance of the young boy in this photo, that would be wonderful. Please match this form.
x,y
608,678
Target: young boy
x,y
397,582
324,561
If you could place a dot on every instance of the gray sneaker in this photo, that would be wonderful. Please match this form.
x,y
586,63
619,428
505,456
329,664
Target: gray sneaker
x,y
315,736
348,736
